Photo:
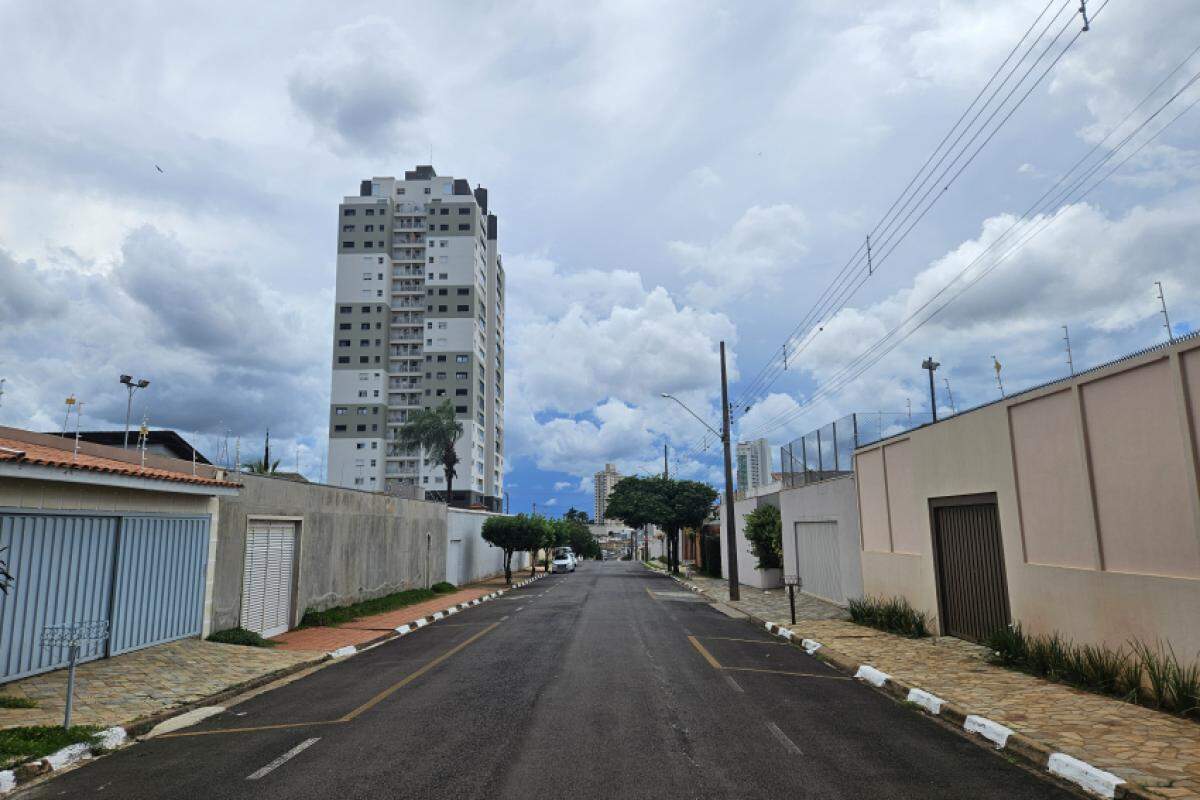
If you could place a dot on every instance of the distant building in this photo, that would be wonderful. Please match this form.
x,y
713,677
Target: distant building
x,y
603,483
753,464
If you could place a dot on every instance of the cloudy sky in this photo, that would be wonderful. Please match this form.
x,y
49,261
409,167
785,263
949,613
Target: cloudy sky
x,y
667,175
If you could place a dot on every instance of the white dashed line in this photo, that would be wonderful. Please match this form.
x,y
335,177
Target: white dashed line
x,y
283,759
788,744
734,684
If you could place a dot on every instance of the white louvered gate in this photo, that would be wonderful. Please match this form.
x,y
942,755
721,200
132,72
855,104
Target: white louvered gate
x,y
819,559
267,577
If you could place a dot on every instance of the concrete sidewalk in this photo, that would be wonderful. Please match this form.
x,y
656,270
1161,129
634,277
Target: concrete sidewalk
x,y
1157,751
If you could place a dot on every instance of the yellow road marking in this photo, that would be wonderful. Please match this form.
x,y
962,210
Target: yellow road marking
x,y
374,701
751,641
652,597
712,662
785,672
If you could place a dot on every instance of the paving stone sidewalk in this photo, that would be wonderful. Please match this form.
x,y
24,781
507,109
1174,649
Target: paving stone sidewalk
x,y
119,690
360,631
1158,751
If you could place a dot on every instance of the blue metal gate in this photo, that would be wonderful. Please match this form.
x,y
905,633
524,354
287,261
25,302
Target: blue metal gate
x,y
144,574
63,573
159,589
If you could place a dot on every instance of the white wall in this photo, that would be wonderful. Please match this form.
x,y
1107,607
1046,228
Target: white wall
x,y
820,521
468,557
747,573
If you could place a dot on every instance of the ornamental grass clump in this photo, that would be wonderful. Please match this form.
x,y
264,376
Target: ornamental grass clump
x,y
892,614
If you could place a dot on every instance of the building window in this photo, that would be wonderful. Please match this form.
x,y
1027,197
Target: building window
x,y
367,309
369,228
343,359
464,210
462,376
340,411
460,359
348,245
339,428
460,392
348,212
360,428
441,359
428,190
364,360
361,411
443,227
364,342
370,212
347,228
346,309
464,227
464,291
464,308
444,211
343,342
345,326
442,308
441,376
359,445
460,409
442,276
366,326
443,292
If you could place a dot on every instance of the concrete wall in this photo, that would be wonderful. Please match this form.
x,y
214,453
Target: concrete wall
x,y
1096,487
352,546
821,520
476,559
748,574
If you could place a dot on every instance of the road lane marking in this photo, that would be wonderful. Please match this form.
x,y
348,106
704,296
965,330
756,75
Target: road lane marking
x,y
751,641
734,684
704,652
379,698
786,672
356,712
787,743
652,597
283,759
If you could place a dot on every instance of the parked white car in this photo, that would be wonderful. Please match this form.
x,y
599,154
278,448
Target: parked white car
x,y
564,560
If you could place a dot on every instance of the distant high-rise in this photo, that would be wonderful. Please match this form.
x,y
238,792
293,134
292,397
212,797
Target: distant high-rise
x,y
418,320
603,482
753,464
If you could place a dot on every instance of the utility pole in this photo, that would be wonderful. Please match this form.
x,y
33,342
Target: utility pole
x,y
1070,359
931,365
129,383
665,473
730,517
1166,319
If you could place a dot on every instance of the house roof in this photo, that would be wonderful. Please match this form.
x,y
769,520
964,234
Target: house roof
x,y
170,441
15,451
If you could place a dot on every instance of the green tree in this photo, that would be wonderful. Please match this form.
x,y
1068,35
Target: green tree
x,y
764,531
262,468
517,534
577,515
435,431
670,504
554,536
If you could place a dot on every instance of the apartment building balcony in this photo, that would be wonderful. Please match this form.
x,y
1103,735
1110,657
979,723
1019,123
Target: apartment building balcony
x,y
408,272
405,351
408,238
408,287
408,319
403,383
404,401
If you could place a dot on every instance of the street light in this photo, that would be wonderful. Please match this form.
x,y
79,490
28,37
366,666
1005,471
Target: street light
x,y
128,382
931,365
730,518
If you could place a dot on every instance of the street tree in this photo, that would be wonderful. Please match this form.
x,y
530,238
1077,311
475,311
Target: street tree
x,y
435,431
517,534
671,504
637,502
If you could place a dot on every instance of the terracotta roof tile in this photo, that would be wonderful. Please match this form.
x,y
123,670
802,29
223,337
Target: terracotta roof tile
x,y
13,451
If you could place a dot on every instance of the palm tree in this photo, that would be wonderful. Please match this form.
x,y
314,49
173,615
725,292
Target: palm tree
x,y
435,431
262,467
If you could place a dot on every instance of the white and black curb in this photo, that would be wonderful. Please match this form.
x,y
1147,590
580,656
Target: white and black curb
x,y
415,625
105,740
1092,779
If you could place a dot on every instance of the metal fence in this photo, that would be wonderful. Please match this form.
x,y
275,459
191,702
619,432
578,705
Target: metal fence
x,y
828,451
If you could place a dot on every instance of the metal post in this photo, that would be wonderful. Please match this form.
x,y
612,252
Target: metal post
x,y
730,517
665,474
854,425
804,456
792,601
72,657
820,458
931,365
836,462
128,410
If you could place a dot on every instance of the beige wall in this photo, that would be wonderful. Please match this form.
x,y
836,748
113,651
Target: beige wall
x,y
1096,487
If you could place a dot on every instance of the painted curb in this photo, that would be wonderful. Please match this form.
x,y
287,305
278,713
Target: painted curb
x,y
993,731
342,652
102,742
1035,754
871,675
8,781
1083,774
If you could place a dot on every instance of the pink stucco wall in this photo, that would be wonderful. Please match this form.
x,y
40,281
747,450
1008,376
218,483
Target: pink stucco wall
x,y
1096,488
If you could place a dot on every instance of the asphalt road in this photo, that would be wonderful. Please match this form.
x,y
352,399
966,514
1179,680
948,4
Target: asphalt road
x,y
606,683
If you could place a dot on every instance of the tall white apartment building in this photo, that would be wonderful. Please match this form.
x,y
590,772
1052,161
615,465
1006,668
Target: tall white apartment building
x,y
753,464
603,483
418,320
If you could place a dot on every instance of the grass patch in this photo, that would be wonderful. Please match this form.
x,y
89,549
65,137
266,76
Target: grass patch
x,y
8,701
891,614
1138,673
240,636
380,605
18,745
444,587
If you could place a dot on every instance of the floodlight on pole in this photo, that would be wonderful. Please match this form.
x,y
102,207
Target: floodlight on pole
x,y
129,383
931,365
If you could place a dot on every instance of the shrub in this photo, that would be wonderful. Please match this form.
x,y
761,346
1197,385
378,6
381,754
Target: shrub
x,y
894,615
8,701
444,587
240,636
379,605
764,532
1152,676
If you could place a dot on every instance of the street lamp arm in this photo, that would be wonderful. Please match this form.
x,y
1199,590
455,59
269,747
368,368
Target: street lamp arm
x,y
693,413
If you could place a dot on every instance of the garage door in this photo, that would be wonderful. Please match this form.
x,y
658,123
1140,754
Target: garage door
x,y
969,558
62,570
267,577
819,560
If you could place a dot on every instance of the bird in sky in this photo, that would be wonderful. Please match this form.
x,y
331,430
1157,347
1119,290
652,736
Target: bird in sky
x,y
157,167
